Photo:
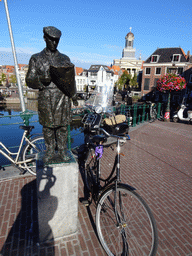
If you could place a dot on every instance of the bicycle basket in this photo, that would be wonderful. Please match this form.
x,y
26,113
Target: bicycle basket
x,y
116,125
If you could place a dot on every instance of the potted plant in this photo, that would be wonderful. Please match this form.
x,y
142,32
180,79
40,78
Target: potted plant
x,y
167,83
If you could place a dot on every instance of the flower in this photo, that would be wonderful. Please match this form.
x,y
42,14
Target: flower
x,y
170,82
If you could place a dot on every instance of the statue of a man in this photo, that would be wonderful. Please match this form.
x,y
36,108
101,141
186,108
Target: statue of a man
x,y
53,74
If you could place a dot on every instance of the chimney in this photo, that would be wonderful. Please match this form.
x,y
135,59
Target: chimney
x,y
188,55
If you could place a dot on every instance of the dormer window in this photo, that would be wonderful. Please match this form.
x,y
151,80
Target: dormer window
x,y
154,58
176,57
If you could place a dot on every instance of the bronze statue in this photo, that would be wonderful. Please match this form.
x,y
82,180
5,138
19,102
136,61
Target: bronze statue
x,y
53,74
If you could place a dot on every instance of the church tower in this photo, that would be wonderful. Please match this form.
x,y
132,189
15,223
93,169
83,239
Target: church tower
x,y
128,61
129,51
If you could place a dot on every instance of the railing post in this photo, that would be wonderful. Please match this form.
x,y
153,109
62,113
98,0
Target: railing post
x,y
134,115
139,119
122,109
158,110
147,117
128,113
143,115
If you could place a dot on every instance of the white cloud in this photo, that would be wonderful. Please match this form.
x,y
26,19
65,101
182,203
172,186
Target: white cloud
x,y
88,57
18,50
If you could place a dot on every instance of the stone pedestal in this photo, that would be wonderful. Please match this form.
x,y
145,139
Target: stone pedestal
x,y
57,192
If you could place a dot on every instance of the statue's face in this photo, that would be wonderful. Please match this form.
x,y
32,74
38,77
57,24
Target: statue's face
x,y
51,43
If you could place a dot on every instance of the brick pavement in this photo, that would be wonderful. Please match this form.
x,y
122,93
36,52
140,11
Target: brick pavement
x,y
158,162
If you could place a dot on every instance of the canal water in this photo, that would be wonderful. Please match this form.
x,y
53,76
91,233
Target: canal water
x,y
10,134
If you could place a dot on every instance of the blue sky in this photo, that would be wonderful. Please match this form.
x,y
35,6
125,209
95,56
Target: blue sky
x,y
93,32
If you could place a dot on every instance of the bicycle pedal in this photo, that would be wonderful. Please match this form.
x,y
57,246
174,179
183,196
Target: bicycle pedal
x,y
84,201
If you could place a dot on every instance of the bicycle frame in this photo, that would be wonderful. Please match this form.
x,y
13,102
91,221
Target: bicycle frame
x,y
17,154
116,167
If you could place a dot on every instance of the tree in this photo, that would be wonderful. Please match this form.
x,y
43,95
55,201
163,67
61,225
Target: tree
x,y
124,79
133,81
2,78
167,83
13,79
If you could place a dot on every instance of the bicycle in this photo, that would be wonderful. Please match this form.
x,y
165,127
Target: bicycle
x,y
25,158
124,222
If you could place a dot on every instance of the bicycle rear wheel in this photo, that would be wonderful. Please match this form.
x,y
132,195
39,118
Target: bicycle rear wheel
x,y
30,153
135,232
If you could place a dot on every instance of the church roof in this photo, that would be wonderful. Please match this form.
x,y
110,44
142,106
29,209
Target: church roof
x,y
130,33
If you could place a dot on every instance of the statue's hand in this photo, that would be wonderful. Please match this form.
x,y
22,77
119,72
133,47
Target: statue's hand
x,y
45,79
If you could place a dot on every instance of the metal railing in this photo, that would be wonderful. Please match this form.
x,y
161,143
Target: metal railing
x,y
140,113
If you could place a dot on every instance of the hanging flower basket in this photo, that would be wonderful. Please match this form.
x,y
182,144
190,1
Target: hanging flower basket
x,y
168,83
171,82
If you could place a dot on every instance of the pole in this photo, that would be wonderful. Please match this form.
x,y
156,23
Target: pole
x,y
15,59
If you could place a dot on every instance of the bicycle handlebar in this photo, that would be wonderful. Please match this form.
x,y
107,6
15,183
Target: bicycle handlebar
x,y
126,136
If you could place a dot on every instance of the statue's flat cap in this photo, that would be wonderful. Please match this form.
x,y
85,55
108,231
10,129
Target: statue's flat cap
x,y
52,32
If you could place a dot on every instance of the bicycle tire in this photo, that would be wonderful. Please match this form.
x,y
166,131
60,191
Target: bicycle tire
x,y
137,232
30,152
90,168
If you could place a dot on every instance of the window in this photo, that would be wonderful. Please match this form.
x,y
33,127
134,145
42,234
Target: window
x,y
155,82
148,71
146,84
93,74
180,71
158,71
172,70
154,58
176,57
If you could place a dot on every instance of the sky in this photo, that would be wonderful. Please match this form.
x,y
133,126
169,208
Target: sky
x,y
93,32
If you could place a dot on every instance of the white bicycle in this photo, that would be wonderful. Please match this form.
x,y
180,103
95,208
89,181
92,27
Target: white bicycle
x,y
25,158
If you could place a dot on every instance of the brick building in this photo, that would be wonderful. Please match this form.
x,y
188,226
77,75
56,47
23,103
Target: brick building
x,y
162,61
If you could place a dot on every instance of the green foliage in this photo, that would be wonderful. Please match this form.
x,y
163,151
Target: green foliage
x,y
126,78
13,79
136,97
2,78
133,81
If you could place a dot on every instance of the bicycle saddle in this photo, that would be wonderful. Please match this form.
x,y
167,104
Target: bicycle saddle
x,y
26,128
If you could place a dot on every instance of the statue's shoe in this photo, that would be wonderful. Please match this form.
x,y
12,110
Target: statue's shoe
x,y
64,156
49,158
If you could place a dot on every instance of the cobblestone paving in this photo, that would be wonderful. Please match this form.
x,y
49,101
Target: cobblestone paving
x,y
157,162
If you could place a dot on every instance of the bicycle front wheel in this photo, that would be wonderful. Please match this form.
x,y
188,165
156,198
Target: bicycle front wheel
x,y
30,152
128,230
